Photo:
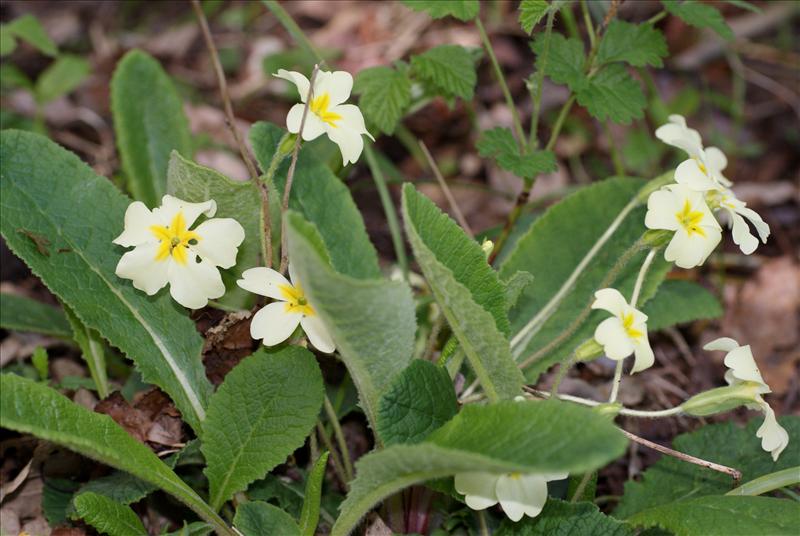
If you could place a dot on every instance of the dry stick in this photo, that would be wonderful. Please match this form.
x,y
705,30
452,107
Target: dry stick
x,y
446,189
734,473
290,175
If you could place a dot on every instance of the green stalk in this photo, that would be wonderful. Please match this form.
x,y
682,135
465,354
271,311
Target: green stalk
x,y
533,142
562,115
339,435
770,482
291,26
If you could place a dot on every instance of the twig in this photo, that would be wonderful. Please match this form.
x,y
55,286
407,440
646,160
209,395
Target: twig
x,y
290,175
734,473
446,189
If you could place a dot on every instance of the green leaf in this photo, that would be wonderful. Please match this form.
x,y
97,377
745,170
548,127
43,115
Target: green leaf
x,y
29,29
149,124
61,77
468,291
323,200
420,400
48,192
531,12
515,286
198,528
19,313
678,302
39,360
577,221
309,516
33,408
258,417
671,479
699,15
92,351
448,67
744,5
499,144
258,518
560,518
121,487
461,9
508,436
235,199
613,94
7,43
372,322
57,497
636,44
108,516
723,516
385,95
565,59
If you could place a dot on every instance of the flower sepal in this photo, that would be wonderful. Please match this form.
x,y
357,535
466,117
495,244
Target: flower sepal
x,y
589,350
721,399
656,238
608,410
287,145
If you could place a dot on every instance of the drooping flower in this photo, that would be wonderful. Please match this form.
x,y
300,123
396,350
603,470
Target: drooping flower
x,y
327,113
742,369
678,208
625,333
518,494
167,250
276,321
735,212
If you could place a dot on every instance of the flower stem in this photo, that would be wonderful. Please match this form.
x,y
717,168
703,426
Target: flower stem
x,y
587,20
658,414
339,435
562,115
291,26
537,98
446,189
338,468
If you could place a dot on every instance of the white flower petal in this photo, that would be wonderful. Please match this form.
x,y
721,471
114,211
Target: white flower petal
x,y
138,220
741,234
689,251
661,208
478,489
677,134
774,437
219,241
521,494
141,267
337,85
611,335
298,79
317,334
643,355
743,367
273,324
716,159
347,132
689,174
194,283
761,226
611,300
725,344
293,275
170,206
264,282
313,128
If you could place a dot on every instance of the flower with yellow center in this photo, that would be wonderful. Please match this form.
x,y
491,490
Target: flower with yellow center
x,y
735,211
327,113
678,208
625,333
518,494
166,249
276,321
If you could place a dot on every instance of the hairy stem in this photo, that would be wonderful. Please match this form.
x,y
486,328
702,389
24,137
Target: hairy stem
x,y
658,414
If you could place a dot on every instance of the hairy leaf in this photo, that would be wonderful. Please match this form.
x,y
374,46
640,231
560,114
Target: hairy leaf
x,y
460,9
560,518
636,44
258,518
385,95
499,143
309,516
565,59
107,516
149,124
450,68
531,12
258,417
19,313
699,15
48,192
613,94
677,302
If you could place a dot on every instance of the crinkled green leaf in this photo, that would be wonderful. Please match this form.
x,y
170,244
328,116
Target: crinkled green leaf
x,y
499,143
699,15
460,9
420,400
723,516
258,518
385,95
48,192
309,515
450,68
33,408
677,302
468,291
371,321
240,200
260,415
613,94
671,479
531,12
560,518
323,200
29,29
19,313
149,124
107,516
636,44
565,59
61,77
554,246
504,437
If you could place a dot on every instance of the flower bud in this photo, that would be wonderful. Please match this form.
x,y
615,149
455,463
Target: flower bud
x,y
721,399
287,144
487,246
656,238
588,350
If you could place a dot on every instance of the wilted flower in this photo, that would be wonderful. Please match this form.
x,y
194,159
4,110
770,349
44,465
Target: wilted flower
x,y
625,333
327,113
167,251
736,211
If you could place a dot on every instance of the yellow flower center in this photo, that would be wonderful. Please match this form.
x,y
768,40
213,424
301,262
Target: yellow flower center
x,y
296,301
690,219
627,323
319,105
516,475
701,166
175,239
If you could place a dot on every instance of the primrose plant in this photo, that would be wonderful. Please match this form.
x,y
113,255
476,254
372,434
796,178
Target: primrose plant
x,y
446,359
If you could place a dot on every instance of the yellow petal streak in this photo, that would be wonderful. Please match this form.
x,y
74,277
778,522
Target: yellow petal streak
x,y
319,105
690,219
174,239
627,323
296,300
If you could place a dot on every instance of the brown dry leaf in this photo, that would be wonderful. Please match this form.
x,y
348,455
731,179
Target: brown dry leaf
x,y
226,345
152,417
68,531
